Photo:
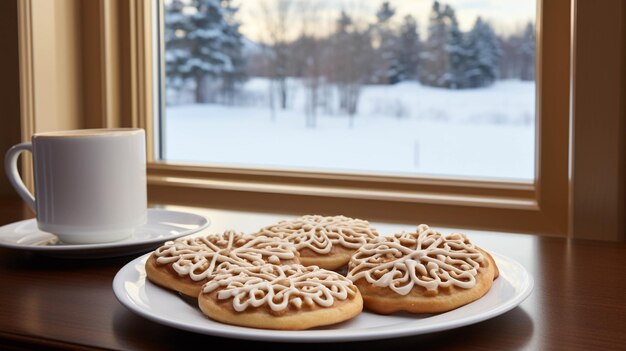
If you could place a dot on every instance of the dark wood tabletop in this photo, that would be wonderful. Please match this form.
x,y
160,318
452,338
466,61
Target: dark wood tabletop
x,y
578,303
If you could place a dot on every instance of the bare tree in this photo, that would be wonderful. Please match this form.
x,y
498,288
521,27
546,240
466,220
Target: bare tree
x,y
311,76
527,53
278,17
352,57
518,54
307,54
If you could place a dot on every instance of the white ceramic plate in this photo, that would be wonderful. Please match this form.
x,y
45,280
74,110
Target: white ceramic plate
x,y
165,307
162,225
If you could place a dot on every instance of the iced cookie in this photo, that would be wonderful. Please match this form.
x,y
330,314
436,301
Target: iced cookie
x,y
421,272
327,242
184,265
289,297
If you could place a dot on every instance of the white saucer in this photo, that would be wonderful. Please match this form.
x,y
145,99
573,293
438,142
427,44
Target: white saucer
x,y
162,225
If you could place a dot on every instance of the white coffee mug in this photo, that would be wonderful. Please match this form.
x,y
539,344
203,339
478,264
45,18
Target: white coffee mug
x,y
90,184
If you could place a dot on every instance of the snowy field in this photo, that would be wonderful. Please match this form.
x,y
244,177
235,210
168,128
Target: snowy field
x,y
404,129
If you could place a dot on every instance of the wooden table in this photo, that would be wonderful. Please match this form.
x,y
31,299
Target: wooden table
x,y
578,301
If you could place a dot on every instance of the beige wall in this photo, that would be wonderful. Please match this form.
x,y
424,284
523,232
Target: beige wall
x,y
57,65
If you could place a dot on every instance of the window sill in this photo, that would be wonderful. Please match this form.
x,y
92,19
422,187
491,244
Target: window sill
x,y
503,207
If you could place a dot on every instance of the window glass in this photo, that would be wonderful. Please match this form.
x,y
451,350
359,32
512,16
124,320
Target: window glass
x,y
411,87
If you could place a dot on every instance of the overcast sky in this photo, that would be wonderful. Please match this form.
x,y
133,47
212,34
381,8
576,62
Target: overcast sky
x,y
318,16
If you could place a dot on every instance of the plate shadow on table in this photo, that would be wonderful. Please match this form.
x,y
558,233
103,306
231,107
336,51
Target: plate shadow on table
x,y
512,331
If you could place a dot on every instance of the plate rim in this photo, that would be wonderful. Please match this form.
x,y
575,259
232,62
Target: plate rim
x,y
80,247
317,336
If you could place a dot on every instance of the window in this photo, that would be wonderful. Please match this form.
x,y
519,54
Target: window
x,y
536,203
377,87
119,48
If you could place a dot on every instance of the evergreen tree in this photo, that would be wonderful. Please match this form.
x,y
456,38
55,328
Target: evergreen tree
x,y
407,49
454,78
385,12
434,57
214,46
445,56
176,26
387,64
343,23
484,52
205,46
232,46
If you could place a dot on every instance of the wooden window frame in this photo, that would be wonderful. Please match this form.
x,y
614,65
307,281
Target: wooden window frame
x,y
117,88
539,207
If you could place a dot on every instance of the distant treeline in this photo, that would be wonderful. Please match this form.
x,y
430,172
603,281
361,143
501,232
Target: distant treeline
x,y
205,45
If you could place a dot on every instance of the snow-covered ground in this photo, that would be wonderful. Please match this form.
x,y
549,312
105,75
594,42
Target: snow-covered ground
x,y
405,128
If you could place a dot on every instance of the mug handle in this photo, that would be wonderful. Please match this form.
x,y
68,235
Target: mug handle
x,y
10,166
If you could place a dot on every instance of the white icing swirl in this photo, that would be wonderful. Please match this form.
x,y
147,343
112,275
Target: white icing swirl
x,y
200,256
319,233
424,258
279,287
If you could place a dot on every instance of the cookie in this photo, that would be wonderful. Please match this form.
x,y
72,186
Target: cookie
x,y
327,242
185,264
289,297
421,272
